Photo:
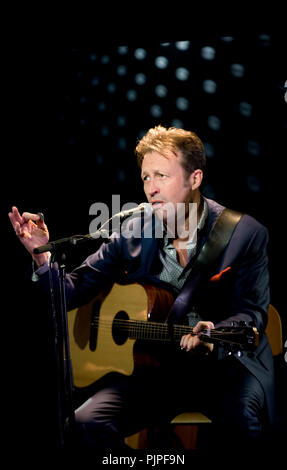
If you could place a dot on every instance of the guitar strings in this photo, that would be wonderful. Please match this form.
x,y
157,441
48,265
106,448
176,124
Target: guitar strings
x,y
140,326
142,329
156,326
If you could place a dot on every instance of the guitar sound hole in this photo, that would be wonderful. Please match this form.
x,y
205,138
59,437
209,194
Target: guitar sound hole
x,y
120,330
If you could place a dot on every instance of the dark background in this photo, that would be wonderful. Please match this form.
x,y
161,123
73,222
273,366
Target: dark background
x,y
102,97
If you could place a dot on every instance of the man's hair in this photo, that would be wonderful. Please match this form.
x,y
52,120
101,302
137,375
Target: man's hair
x,y
172,138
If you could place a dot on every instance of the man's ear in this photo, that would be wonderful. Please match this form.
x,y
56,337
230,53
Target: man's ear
x,y
195,179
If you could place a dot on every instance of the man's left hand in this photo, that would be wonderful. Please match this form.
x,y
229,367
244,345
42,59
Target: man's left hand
x,y
190,342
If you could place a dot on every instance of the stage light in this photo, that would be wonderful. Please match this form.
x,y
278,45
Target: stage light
x,y
100,159
141,133
245,109
178,123
182,73
237,70
182,45
105,131
161,62
156,110
227,38
182,103
102,106
161,91
264,39
122,143
105,59
121,121
214,123
209,86
95,81
122,50
121,70
209,149
253,183
208,53
140,78
111,87
121,175
131,95
253,147
140,53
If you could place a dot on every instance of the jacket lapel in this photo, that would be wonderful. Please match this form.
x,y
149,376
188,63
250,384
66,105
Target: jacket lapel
x,y
183,302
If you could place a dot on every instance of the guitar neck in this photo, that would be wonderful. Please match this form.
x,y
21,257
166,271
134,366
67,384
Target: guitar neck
x,y
152,331
243,337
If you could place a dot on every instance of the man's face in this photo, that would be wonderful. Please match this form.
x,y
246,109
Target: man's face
x,y
165,181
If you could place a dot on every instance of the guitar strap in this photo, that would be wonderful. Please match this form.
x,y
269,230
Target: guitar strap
x,y
218,239
214,246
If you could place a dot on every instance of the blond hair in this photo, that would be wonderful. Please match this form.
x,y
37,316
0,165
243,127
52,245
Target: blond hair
x,y
174,139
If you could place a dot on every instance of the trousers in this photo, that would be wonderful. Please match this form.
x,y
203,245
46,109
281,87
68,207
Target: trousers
x,y
121,405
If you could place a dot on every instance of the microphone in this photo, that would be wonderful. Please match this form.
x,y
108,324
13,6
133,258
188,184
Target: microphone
x,y
143,207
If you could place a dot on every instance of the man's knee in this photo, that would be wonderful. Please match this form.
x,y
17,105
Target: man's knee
x,y
245,415
250,416
95,430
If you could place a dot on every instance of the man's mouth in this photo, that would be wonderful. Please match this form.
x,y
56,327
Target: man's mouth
x,y
157,204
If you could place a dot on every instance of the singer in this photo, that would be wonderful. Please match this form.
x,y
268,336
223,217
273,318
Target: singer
x,y
211,287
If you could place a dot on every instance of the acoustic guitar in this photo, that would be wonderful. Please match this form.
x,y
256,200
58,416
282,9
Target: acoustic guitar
x,y
103,332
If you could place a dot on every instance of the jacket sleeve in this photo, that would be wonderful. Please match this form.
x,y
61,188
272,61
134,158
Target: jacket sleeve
x,y
85,282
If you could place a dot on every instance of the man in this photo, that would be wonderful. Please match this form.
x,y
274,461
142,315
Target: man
x,y
235,390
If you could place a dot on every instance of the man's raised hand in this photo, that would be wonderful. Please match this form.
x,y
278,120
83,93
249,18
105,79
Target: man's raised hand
x,y
31,231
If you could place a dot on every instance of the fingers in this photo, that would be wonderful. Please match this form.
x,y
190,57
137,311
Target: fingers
x,y
24,230
193,343
203,325
15,217
17,228
28,216
189,342
24,224
41,224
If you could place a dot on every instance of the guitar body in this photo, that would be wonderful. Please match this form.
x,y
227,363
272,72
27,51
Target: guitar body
x,y
95,346
120,330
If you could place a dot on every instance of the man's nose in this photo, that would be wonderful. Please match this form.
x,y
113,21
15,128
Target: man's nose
x,y
153,189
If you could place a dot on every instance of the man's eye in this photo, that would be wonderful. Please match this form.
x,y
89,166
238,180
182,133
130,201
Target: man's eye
x,y
162,176
146,178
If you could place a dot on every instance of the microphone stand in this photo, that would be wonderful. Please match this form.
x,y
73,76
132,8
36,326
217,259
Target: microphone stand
x,y
62,347
65,378
58,248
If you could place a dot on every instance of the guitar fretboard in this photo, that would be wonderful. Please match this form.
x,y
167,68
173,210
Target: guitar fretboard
x,y
151,330
245,337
